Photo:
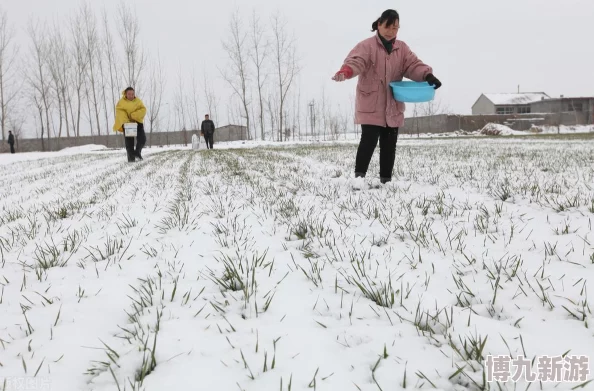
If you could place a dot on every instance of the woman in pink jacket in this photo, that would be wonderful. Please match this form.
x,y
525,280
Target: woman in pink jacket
x,y
378,61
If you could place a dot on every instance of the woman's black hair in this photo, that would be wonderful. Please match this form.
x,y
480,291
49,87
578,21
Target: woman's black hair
x,y
389,16
129,89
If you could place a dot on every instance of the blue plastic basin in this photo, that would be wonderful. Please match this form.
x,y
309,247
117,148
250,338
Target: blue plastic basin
x,y
412,91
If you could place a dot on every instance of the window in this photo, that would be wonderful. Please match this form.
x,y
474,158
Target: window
x,y
505,110
524,110
574,106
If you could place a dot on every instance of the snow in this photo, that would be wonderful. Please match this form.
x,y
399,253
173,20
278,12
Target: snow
x,y
84,148
516,98
6,158
247,268
492,129
563,129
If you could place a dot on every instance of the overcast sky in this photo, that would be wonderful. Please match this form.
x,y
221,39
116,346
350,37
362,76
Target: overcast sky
x,y
474,46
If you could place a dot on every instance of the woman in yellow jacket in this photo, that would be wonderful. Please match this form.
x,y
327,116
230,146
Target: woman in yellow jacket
x,y
128,110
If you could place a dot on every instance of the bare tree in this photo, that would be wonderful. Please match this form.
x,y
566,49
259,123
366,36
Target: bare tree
x,y
353,111
212,102
272,108
33,96
299,112
103,84
415,122
234,110
93,52
294,117
429,109
333,127
180,101
156,88
344,122
237,75
9,87
134,57
285,58
194,102
59,63
259,54
434,107
89,113
325,113
79,54
112,61
37,74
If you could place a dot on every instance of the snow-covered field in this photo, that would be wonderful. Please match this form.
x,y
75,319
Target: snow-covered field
x,y
271,268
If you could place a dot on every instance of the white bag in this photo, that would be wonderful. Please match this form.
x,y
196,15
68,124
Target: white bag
x,y
195,142
131,129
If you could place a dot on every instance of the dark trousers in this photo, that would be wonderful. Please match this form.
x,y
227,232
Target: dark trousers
x,y
140,141
11,148
209,139
387,141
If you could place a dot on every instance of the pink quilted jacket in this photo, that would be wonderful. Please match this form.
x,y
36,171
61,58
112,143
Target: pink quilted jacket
x,y
375,104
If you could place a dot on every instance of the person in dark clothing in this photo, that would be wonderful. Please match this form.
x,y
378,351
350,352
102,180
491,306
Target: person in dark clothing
x,y
208,128
11,141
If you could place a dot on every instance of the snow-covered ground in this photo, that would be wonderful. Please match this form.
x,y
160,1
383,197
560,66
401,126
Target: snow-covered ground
x,y
271,268
308,140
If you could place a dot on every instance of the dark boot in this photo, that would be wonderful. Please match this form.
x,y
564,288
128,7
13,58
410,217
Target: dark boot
x,y
359,175
385,180
131,157
138,155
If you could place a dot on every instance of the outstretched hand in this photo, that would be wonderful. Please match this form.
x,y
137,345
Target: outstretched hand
x,y
345,73
339,77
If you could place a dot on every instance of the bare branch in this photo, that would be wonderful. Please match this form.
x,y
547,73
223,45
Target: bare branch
x,y
9,87
112,61
237,74
156,89
259,53
180,101
134,56
37,73
285,57
93,52
212,102
80,58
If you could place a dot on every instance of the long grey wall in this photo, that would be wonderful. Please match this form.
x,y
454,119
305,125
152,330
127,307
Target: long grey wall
x,y
451,123
223,134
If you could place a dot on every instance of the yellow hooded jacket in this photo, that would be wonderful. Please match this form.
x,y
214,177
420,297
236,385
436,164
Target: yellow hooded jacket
x,y
128,111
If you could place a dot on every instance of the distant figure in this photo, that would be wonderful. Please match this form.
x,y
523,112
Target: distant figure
x,y
11,141
130,109
195,142
208,129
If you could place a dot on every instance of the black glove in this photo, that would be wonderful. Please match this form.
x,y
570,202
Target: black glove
x,y
433,81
